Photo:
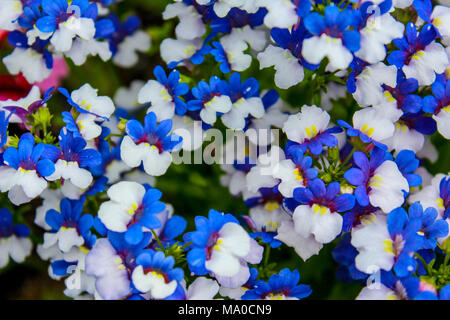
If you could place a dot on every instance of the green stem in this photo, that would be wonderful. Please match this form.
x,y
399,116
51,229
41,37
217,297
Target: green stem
x,y
157,240
266,255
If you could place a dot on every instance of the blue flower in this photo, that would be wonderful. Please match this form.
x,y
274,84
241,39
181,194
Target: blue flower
x,y
303,163
173,227
440,100
360,175
173,86
292,40
155,273
204,238
344,254
352,132
121,30
20,40
404,288
402,93
316,144
29,156
57,11
407,163
204,92
419,122
70,217
328,196
145,216
335,24
7,228
237,18
432,228
220,55
73,149
403,231
411,43
156,135
280,286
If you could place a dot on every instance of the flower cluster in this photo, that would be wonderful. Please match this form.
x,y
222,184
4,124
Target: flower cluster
x,y
42,30
343,108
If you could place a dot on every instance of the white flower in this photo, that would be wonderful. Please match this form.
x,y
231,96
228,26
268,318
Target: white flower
x,y
378,32
153,282
191,131
126,98
126,55
87,98
88,127
217,104
23,185
191,25
387,187
65,238
443,122
378,292
125,198
179,49
28,61
71,28
268,217
235,118
35,33
235,43
317,220
222,7
374,244
162,103
288,70
51,199
369,83
17,248
290,176
317,48
373,124
79,177
281,13
430,195
155,163
82,48
229,257
307,124
10,11
405,138
428,151
440,18
262,175
305,247
202,289
424,64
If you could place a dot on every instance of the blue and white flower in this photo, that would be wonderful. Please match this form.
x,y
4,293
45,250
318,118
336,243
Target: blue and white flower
x,y
14,241
150,145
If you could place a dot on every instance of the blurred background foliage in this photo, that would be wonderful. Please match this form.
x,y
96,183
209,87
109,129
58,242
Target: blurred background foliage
x,y
191,189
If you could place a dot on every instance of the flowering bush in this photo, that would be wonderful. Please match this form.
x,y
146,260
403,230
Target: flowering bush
x,y
237,149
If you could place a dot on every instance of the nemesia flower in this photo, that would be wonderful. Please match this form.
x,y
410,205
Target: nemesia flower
x,y
220,246
14,241
282,286
132,209
25,170
150,145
